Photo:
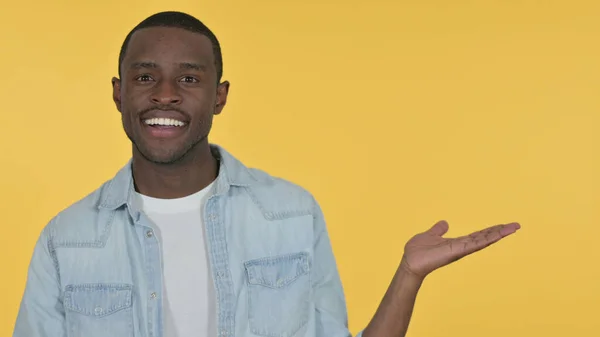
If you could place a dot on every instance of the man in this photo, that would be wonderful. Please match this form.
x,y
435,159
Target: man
x,y
187,241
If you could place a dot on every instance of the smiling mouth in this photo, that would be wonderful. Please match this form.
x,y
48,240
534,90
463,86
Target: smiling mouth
x,y
164,127
163,122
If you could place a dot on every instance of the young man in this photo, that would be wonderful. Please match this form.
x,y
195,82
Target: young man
x,y
187,241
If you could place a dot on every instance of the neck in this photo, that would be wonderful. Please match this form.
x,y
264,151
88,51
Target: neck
x,y
169,181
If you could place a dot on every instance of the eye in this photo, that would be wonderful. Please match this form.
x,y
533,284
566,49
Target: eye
x,y
189,79
144,78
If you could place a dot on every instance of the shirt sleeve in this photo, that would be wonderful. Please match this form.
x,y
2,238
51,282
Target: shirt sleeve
x,y
330,304
41,312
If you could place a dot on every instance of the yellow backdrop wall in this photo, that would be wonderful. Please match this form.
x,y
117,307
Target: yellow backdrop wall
x,y
393,113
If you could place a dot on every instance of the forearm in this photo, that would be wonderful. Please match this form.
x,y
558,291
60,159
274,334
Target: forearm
x,y
394,313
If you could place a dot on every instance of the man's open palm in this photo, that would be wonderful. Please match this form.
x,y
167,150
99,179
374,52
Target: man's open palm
x,y
429,250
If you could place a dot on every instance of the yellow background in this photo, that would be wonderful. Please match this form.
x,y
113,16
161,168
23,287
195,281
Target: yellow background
x,y
393,113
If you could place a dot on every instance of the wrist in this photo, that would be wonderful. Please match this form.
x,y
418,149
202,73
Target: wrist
x,y
406,273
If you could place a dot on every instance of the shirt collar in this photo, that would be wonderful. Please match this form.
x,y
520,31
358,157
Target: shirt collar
x,y
120,191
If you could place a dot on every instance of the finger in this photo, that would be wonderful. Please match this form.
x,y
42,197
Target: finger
x,y
440,228
500,230
510,228
484,238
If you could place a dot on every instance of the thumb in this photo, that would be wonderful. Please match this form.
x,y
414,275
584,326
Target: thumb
x,y
439,229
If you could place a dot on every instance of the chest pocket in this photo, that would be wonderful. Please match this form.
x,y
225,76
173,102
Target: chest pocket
x,y
99,310
278,294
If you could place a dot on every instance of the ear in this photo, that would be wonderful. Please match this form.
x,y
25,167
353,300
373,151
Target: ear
x,y
222,92
116,84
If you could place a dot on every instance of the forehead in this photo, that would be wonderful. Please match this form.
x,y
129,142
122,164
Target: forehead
x,y
169,45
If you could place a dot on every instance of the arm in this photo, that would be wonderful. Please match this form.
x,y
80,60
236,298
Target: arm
x,y
41,311
423,254
393,315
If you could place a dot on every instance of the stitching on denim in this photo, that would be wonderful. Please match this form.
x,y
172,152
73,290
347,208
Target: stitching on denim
x,y
276,215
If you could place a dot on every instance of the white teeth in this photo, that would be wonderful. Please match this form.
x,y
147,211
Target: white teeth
x,y
164,122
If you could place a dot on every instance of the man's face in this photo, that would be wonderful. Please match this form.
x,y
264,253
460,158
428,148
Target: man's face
x,y
168,92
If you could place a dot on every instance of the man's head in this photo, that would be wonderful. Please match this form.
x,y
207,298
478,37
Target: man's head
x,y
170,68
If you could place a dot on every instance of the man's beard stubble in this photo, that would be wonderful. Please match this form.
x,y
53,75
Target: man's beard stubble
x,y
173,157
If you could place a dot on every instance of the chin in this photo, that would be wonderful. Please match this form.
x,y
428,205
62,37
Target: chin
x,y
165,159
160,156
164,153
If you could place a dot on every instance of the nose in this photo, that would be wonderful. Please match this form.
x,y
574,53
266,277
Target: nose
x,y
166,93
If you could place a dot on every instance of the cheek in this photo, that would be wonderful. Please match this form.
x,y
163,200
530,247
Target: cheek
x,y
132,98
130,109
128,119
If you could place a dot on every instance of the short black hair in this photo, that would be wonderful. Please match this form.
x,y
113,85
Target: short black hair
x,y
177,20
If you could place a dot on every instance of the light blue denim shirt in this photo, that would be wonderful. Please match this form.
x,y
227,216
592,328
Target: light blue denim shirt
x,y
96,269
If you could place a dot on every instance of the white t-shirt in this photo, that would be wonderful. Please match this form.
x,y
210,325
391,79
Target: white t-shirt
x,y
189,297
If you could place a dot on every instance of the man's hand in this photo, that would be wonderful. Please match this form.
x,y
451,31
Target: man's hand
x,y
429,250
423,254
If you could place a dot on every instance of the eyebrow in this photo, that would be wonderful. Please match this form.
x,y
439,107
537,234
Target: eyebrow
x,y
192,66
141,65
183,65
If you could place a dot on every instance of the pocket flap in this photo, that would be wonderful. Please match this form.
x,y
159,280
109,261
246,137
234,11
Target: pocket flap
x,y
97,299
278,271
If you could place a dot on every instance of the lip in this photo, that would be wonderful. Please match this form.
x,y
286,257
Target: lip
x,y
164,132
173,114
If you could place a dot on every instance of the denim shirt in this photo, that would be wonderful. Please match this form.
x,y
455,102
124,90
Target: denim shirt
x,y
96,268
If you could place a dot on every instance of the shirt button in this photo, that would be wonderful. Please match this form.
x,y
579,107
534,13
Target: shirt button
x,y
153,295
98,311
149,234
